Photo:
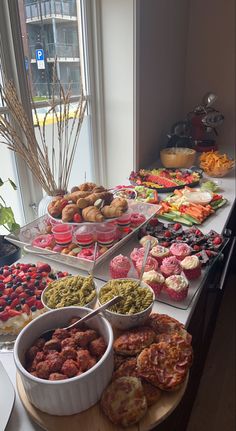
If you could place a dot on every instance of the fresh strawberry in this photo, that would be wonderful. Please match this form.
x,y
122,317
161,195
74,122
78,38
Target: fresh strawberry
x,y
153,222
23,295
30,301
43,267
38,304
217,240
177,226
19,289
8,291
2,286
167,234
26,309
14,302
7,279
4,315
6,272
196,247
77,218
2,302
13,313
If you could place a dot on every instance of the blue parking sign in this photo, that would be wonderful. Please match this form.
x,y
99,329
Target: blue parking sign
x,y
39,54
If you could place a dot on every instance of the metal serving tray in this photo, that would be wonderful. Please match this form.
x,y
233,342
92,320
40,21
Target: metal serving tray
x,y
27,233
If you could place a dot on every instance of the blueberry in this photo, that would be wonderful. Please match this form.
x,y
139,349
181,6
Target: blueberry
x,y
33,308
38,277
28,278
1,293
22,300
18,283
24,285
9,284
38,297
1,308
1,270
36,283
18,307
8,301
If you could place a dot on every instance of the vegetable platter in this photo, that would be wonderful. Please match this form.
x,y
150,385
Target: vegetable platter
x,y
180,206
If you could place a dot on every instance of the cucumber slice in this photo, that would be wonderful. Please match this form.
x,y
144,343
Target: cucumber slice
x,y
167,216
183,221
190,218
175,213
217,204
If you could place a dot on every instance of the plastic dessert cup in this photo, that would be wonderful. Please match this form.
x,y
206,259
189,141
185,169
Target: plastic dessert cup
x,y
123,222
119,266
62,233
106,235
85,236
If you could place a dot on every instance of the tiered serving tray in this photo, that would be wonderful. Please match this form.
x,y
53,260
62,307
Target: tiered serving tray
x,y
31,230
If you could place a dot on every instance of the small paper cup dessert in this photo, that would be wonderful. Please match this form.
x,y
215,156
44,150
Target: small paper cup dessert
x,y
57,295
155,280
123,320
151,264
176,287
159,253
180,250
119,266
191,267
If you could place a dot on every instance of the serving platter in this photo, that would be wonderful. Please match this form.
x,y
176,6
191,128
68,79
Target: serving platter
x,y
94,419
141,178
27,233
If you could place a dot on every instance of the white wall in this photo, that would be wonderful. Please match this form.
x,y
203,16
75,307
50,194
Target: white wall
x,y
163,26
211,61
117,48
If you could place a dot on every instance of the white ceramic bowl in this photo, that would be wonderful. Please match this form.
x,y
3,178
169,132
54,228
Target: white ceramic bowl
x,y
64,397
90,304
127,321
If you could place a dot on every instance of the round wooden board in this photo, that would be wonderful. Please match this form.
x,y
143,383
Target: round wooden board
x,y
94,419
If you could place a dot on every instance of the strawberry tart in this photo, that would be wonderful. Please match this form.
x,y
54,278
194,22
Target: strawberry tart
x,y
155,280
176,287
120,266
191,267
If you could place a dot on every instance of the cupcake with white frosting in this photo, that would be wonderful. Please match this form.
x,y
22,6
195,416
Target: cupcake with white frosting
x,y
159,253
143,241
191,267
176,287
155,280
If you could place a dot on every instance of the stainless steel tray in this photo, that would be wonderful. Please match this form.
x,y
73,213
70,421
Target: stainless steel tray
x,y
27,233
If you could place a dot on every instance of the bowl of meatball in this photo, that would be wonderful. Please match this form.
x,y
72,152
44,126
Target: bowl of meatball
x,y
67,373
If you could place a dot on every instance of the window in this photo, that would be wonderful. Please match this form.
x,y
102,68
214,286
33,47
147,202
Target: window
x,y
54,27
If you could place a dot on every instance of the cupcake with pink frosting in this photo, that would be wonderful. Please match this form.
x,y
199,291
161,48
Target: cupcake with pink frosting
x,y
136,254
150,265
176,287
159,253
155,280
119,266
170,266
180,250
143,241
191,267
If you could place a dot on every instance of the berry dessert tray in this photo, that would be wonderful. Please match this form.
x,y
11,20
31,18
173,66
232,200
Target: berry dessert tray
x,y
21,286
76,245
166,180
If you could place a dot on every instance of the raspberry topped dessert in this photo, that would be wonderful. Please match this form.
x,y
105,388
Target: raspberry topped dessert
x,y
21,286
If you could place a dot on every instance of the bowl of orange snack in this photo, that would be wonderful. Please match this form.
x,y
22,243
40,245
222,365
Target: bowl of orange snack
x,y
215,164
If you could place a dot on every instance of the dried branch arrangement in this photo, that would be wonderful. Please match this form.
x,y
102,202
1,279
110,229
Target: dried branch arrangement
x,y
49,159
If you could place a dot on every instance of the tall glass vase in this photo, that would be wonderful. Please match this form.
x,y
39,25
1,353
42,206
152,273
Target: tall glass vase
x,y
43,205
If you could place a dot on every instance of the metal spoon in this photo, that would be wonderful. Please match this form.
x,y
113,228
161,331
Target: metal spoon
x,y
147,249
48,334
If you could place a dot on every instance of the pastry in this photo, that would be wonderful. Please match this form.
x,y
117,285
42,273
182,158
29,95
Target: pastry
x,y
165,364
124,402
56,206
133,341
159,253
74,196
119,266
69,211
137,219
151,264
92,214
143,241
136,254
180,250
191,267
87,187
155,280
176,287
110,211
121,203
170,266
